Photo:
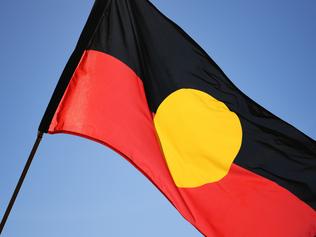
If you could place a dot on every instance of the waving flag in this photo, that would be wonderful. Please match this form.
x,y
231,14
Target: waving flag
x,y
139,84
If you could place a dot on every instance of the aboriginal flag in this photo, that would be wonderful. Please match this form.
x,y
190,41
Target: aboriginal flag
x,y
137,83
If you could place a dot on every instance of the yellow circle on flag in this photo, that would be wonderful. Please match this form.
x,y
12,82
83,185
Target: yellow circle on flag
x,y
199,135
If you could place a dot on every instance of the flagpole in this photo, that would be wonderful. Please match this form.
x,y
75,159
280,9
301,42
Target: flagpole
x,y
20,182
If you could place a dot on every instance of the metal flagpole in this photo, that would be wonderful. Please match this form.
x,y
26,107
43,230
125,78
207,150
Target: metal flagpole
x,y
22,177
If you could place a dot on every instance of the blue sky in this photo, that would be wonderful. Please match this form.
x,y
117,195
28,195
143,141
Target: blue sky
x,y
79,188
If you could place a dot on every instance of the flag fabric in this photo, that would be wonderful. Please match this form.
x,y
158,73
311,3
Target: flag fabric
x,y
138,84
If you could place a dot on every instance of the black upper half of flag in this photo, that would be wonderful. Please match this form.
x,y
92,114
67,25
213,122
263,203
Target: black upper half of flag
x,y
166,59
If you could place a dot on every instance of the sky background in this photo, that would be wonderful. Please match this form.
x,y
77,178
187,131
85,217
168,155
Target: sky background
x,y
76,187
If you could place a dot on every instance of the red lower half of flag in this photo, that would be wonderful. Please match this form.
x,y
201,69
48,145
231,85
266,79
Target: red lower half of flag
x,y
246,204
105,102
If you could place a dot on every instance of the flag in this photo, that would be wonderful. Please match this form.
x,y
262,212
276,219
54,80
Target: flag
x,y
138,84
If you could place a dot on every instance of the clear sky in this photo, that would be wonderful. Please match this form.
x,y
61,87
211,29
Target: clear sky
x,y
78,188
